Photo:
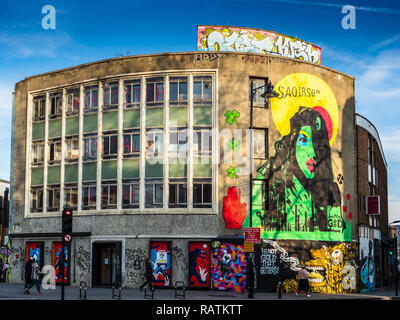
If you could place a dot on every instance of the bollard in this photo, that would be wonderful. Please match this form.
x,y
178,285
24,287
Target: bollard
x,y
151,295
116,285
279,290
180,289
82,296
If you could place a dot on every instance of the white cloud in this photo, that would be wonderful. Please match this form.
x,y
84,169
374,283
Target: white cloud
x,y
391,144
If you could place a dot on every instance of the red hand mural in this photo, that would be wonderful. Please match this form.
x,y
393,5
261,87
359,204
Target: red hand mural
x,y
233,212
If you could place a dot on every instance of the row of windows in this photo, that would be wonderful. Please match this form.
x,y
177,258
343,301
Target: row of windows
x,y
154,95
154,145
130,197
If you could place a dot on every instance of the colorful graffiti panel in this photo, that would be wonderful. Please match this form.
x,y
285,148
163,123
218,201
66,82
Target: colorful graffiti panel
x,y
35,250
199,264
367,260
56,262
303,200
228,267
236,39
160,254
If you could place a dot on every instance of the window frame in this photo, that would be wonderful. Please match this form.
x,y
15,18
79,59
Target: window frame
x,y
38,200
52,151
153,183
132,83
106,202
39,108
72,107
203,79
90,156
112,145
131,152
202,204
70,140
90,90
56,107
91,191
68,199
130,184
263,155
108,89
154,102
52,191
178,80
177,184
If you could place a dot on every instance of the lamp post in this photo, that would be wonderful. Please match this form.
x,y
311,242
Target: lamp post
x,y
269,93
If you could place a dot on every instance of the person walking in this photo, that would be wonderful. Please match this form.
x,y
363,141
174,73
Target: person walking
x,y
28,275
35,277
303,281
250,276
149,275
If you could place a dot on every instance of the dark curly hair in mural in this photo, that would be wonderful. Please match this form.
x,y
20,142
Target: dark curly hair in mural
x,y
302,192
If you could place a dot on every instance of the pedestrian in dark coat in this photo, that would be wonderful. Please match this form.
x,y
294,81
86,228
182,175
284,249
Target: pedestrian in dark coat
x,y
303,281
149,275
28,275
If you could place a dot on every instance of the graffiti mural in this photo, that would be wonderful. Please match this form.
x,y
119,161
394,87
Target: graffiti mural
x,y
332,266
35,250
199,264
233,39
367,261
234,212
228,267
160,254
302,200
57,251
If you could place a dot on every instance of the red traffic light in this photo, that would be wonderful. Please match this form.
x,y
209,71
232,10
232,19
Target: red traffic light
x,y
67,213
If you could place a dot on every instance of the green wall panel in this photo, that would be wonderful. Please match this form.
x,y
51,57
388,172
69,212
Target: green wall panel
x,y
71,173
89,171
154,170
71,126
90,123
177,170
38,130
130,168
202,116
154,117
178,117
132,118
202,170
54,128
110,120
36,176
53,174
109,170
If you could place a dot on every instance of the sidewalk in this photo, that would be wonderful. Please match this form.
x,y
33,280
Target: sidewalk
x,y
15,292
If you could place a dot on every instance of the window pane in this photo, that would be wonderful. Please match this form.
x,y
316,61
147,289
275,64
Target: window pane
x,y
135,193
158,193
172,193
207,193
104,195
94,98
127,143
160,92
85,196
182,91
173,91
113,194
150,92
114,145
92,201
136,143
197,90
149,194
114,95
125,193
207,90
106,145
182,193
136,93
197,193
106,96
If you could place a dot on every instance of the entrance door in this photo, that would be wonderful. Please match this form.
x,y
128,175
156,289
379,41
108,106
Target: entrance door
x,y
106,263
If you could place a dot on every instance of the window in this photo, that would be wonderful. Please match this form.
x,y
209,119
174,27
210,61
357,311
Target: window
x,y
72,101
177,194
37,153
153,193
37,199
71,148
53,198
110,145
54,151
260,143
91,97
258,101
90,148
110,94
130,193
55,104
262,186
202,141
202,193
178,90
39,106
109,195
202,90
71,196
89,196
178,142
154,142
154,91
131,143
132,93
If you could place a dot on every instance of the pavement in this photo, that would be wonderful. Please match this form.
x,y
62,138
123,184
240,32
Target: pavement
x,y
15,292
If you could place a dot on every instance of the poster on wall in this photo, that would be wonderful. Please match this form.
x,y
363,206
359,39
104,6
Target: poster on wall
x,y
160,254
56,262
199,265
304,200
35,250
239,39
228,266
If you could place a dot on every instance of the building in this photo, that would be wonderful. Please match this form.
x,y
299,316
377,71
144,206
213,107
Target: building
x,y
4,210
372,180
153,154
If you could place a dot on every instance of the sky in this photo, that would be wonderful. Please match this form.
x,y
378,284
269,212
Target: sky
x,y
87,31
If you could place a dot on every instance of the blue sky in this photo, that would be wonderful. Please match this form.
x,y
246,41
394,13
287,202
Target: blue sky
x,y
92,30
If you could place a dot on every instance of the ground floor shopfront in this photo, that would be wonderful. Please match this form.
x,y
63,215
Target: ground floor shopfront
x,y
216,263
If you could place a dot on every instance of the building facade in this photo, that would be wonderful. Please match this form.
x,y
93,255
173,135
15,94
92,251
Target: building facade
x,y
153,154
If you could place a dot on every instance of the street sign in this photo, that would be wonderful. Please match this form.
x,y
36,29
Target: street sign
x,y
67,238
249,247
252,235
373,206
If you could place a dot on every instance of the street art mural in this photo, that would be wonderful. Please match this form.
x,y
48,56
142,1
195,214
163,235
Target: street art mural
x,y
367,261
160,254
234,212
332,266
57,251
234,39
228,267
35,250
303,200
199,264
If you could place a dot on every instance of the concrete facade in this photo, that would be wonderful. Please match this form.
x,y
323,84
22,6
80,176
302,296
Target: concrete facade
x,y
129,232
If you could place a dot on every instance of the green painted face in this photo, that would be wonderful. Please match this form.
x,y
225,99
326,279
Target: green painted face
x,y
305,154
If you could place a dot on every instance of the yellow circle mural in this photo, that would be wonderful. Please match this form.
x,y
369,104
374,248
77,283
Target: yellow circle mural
x,y
304,90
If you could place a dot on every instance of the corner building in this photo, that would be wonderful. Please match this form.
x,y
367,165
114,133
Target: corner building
x,y
152,153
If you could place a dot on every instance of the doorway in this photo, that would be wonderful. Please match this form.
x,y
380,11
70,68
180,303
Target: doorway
x,y
106,264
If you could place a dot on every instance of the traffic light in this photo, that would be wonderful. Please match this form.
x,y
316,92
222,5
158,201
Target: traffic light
x,y
67,222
